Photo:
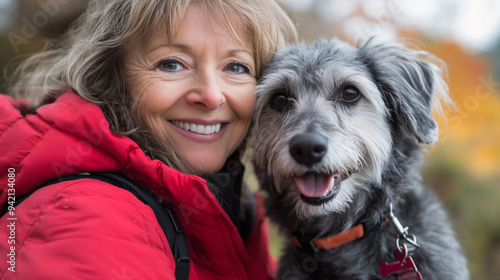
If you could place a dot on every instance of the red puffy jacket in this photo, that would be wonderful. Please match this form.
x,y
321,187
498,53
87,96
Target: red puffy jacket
x,y
86,229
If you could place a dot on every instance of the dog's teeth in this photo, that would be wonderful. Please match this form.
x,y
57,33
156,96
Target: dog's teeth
x,y
330,188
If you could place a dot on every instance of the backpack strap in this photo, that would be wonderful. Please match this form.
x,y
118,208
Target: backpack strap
x,y
164,214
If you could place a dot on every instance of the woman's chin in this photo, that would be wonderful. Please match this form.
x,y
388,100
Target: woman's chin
x,y
206,164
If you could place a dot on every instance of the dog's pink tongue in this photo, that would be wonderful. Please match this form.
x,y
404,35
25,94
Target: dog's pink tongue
x,y
313,184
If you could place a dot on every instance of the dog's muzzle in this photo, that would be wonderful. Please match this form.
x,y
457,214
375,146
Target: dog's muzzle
x,y
315,188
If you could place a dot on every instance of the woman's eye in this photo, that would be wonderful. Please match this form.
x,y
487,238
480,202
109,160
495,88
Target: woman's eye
x,y
170,65
350,94
238,68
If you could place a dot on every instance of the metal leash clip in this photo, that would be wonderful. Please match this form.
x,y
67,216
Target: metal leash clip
x,y
402,231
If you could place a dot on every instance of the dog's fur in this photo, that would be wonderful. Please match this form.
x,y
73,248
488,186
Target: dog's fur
x,y
375,143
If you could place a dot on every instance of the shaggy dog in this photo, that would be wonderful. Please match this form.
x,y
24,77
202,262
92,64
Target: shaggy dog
x,y
339,137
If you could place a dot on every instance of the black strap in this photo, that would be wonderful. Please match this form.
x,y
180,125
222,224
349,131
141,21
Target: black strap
x,y
164,214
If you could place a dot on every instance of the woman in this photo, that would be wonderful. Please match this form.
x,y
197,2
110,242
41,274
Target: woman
x,y
161,92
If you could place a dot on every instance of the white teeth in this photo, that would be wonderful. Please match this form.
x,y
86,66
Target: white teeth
x,y
198,128
326,193
330,188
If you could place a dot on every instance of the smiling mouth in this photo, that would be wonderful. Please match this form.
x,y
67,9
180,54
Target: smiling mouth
x,y
317,188
198,128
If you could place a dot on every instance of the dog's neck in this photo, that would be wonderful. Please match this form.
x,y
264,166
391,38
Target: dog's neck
x,y
359,230
335,240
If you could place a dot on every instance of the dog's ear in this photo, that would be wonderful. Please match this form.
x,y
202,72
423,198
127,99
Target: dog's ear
x,y
411,83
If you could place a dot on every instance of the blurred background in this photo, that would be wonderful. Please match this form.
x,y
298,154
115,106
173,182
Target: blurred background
x,y
463,168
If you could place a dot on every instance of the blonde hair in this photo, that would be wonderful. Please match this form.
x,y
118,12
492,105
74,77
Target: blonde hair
x,y
89,58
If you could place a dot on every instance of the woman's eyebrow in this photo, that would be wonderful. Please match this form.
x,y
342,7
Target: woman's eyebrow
x,y
177,46
237,51
187,48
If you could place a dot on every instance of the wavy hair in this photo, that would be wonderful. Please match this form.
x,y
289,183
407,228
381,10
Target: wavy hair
x,y
89,58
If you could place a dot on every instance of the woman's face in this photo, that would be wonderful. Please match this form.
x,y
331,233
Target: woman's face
x,y
196,91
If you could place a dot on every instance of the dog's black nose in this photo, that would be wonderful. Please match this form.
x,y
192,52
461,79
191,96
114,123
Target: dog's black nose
x,y
308,148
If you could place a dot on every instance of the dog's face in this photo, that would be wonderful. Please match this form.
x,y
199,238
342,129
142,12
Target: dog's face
x,y
325,117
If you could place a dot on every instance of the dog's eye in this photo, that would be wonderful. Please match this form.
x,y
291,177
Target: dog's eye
x,y
350,94
279,101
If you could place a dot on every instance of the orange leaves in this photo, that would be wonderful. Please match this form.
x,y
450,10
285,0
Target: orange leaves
x,y
473,127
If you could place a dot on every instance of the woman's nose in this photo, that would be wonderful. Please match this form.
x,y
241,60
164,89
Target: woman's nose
x,y
207,93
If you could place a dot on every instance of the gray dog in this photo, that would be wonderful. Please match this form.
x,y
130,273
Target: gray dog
x,y
338,144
